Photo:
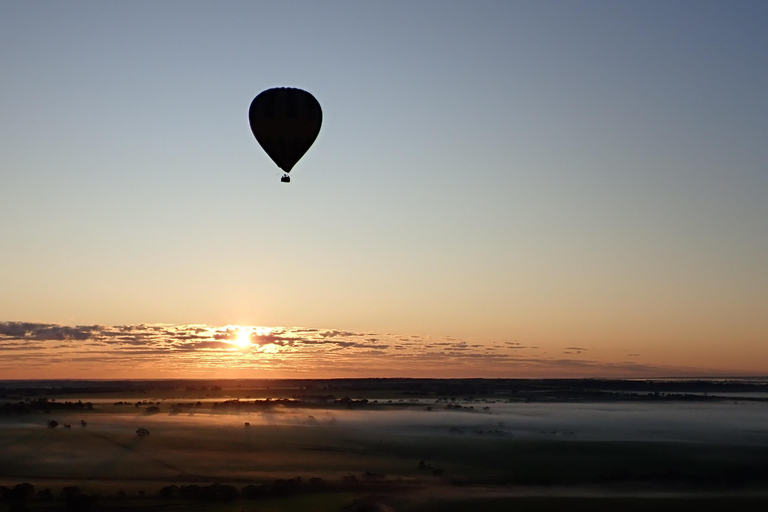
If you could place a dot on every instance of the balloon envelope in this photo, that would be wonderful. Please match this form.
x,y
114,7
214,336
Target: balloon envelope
x,y
285,122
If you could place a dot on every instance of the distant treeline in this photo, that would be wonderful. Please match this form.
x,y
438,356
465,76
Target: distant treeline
x,y
280,488
236,406
73,498
43,405
76,499
323,389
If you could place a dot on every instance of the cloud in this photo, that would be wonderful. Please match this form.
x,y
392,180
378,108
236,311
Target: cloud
x,y
150,350
205,345
334,333
26,330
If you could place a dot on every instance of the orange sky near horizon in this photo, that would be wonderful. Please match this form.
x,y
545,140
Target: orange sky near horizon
x,y
49,351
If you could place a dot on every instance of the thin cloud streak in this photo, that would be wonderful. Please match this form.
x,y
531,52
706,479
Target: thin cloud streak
x,y
38,350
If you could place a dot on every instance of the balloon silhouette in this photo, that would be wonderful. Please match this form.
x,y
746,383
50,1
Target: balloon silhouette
x,y
285,122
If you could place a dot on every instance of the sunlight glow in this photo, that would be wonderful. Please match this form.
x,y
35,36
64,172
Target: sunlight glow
x,y
263,331
243,338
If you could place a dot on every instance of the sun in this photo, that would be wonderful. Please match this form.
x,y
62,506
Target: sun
x,y
243,338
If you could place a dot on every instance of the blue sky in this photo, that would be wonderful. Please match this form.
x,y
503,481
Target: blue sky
x,y
564,173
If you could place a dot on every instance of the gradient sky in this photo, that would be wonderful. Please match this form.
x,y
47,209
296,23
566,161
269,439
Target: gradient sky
x,y
588,175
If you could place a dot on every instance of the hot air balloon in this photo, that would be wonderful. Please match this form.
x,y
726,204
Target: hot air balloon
x,y
285,121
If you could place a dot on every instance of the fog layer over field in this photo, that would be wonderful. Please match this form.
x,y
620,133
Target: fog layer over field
x,y
742,423
283,442
722,423
729,423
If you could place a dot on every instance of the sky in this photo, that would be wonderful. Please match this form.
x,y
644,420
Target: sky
x,y
587,180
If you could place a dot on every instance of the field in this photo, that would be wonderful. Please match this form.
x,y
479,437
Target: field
x,y
232,449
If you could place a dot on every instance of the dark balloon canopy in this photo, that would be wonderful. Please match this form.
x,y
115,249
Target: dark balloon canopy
x,y
285,122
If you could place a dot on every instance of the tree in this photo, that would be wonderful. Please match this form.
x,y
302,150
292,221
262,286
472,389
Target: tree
x,y
45,495
21,492
75,500
18,496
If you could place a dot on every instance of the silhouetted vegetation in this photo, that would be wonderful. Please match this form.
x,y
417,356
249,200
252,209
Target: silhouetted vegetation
x,y
279,488
43,405
75,499
359,392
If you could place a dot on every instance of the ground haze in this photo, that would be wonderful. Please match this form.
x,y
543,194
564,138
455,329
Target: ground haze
x,y
405,444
